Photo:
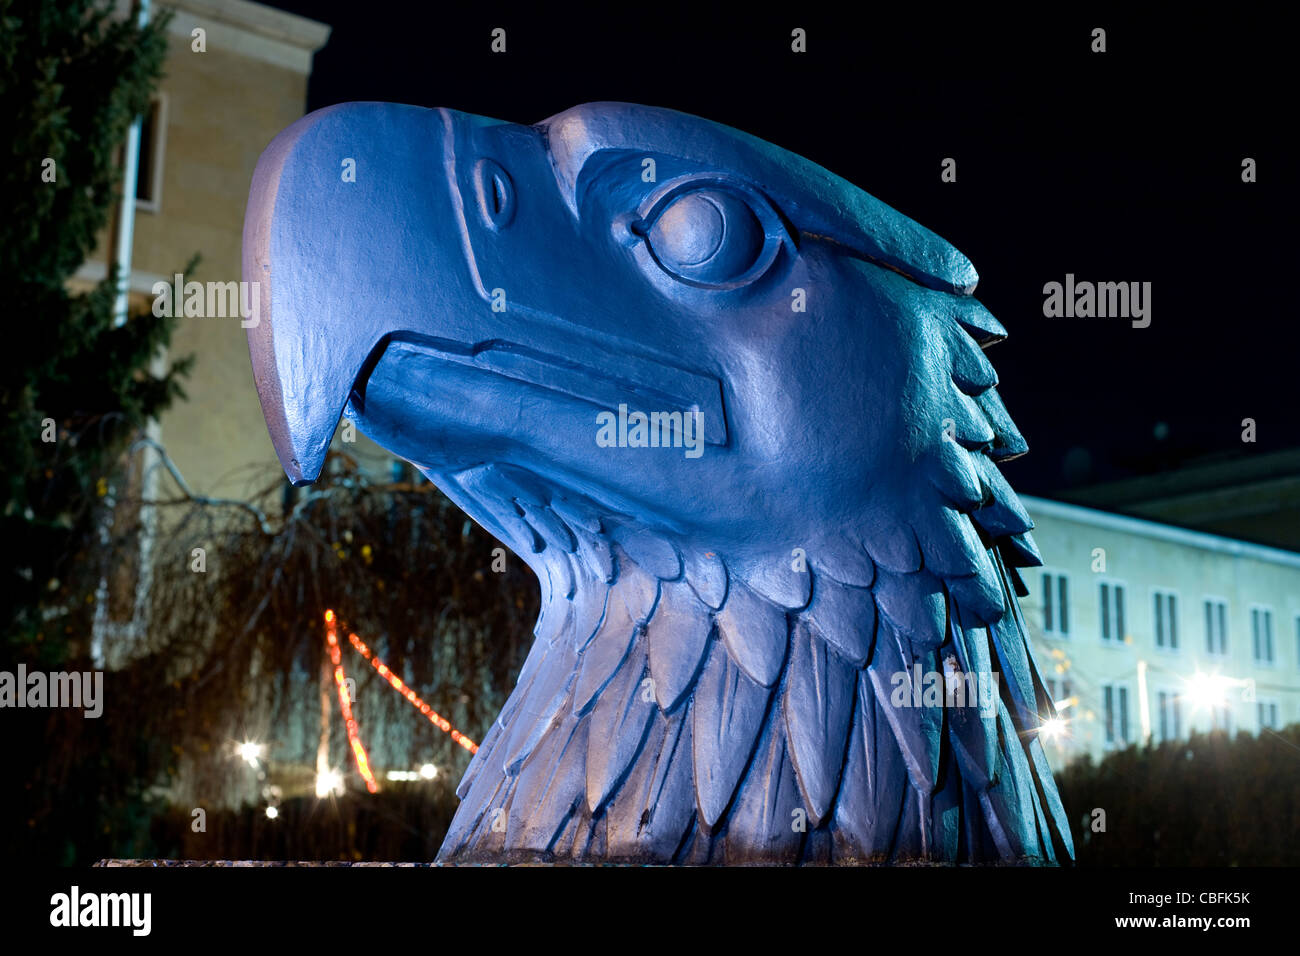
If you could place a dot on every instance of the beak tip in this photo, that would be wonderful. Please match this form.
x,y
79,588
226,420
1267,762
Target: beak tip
x,y
301,466
299,475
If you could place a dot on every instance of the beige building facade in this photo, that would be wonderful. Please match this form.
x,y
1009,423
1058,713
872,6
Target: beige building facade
x,y
235,75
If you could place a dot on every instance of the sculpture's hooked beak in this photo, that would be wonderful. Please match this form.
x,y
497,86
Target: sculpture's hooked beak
x,y
331,234
377,225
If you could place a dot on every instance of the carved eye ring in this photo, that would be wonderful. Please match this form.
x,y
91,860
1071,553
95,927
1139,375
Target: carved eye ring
x,y
711,233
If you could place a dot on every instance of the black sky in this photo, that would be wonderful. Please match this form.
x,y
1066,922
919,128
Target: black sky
x,y
1122,166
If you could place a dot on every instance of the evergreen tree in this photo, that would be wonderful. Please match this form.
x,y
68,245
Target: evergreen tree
x,y
73,388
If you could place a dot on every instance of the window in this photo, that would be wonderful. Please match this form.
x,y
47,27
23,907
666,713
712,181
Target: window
x,y
1164,607
1112,612
153,135
1056,604
1059,689
1221,717
1216,626
1171,715
1267,712
1115,705
1261,634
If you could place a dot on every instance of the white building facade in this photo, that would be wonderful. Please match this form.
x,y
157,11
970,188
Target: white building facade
x,y
1148,632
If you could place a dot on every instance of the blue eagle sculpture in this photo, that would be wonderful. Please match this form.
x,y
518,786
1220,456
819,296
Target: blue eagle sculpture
x,y
735,414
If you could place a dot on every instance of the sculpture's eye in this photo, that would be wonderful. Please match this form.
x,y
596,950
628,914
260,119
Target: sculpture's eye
x,y
711,236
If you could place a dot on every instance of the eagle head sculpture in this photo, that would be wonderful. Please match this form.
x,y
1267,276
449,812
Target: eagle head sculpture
x,y
735,414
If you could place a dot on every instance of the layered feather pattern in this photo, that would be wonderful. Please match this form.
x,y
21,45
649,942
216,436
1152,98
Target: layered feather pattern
x,y
681,706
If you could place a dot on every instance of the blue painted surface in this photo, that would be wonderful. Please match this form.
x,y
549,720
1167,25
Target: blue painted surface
x,y
735,414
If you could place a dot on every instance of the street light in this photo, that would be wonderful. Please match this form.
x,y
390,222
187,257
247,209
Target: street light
x,y
1052,728
328,782
1207,690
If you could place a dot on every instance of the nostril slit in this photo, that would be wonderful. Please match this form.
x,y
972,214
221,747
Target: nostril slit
x,y
496,194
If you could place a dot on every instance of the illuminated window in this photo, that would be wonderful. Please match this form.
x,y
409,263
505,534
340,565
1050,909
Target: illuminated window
x,y
1056,604
1170,709
1267,713
1261,634
1221,717
1164,609
1112,612
1114,699
1216,626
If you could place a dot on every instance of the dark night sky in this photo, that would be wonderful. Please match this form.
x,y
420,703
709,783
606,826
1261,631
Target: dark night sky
x,y
1123,166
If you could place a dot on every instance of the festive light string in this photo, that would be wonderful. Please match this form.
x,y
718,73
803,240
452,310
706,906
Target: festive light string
x,y
397,684
345,704
438,721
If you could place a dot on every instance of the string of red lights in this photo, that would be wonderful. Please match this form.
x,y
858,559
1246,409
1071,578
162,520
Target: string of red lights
x,y
345,704
438,721
363,764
